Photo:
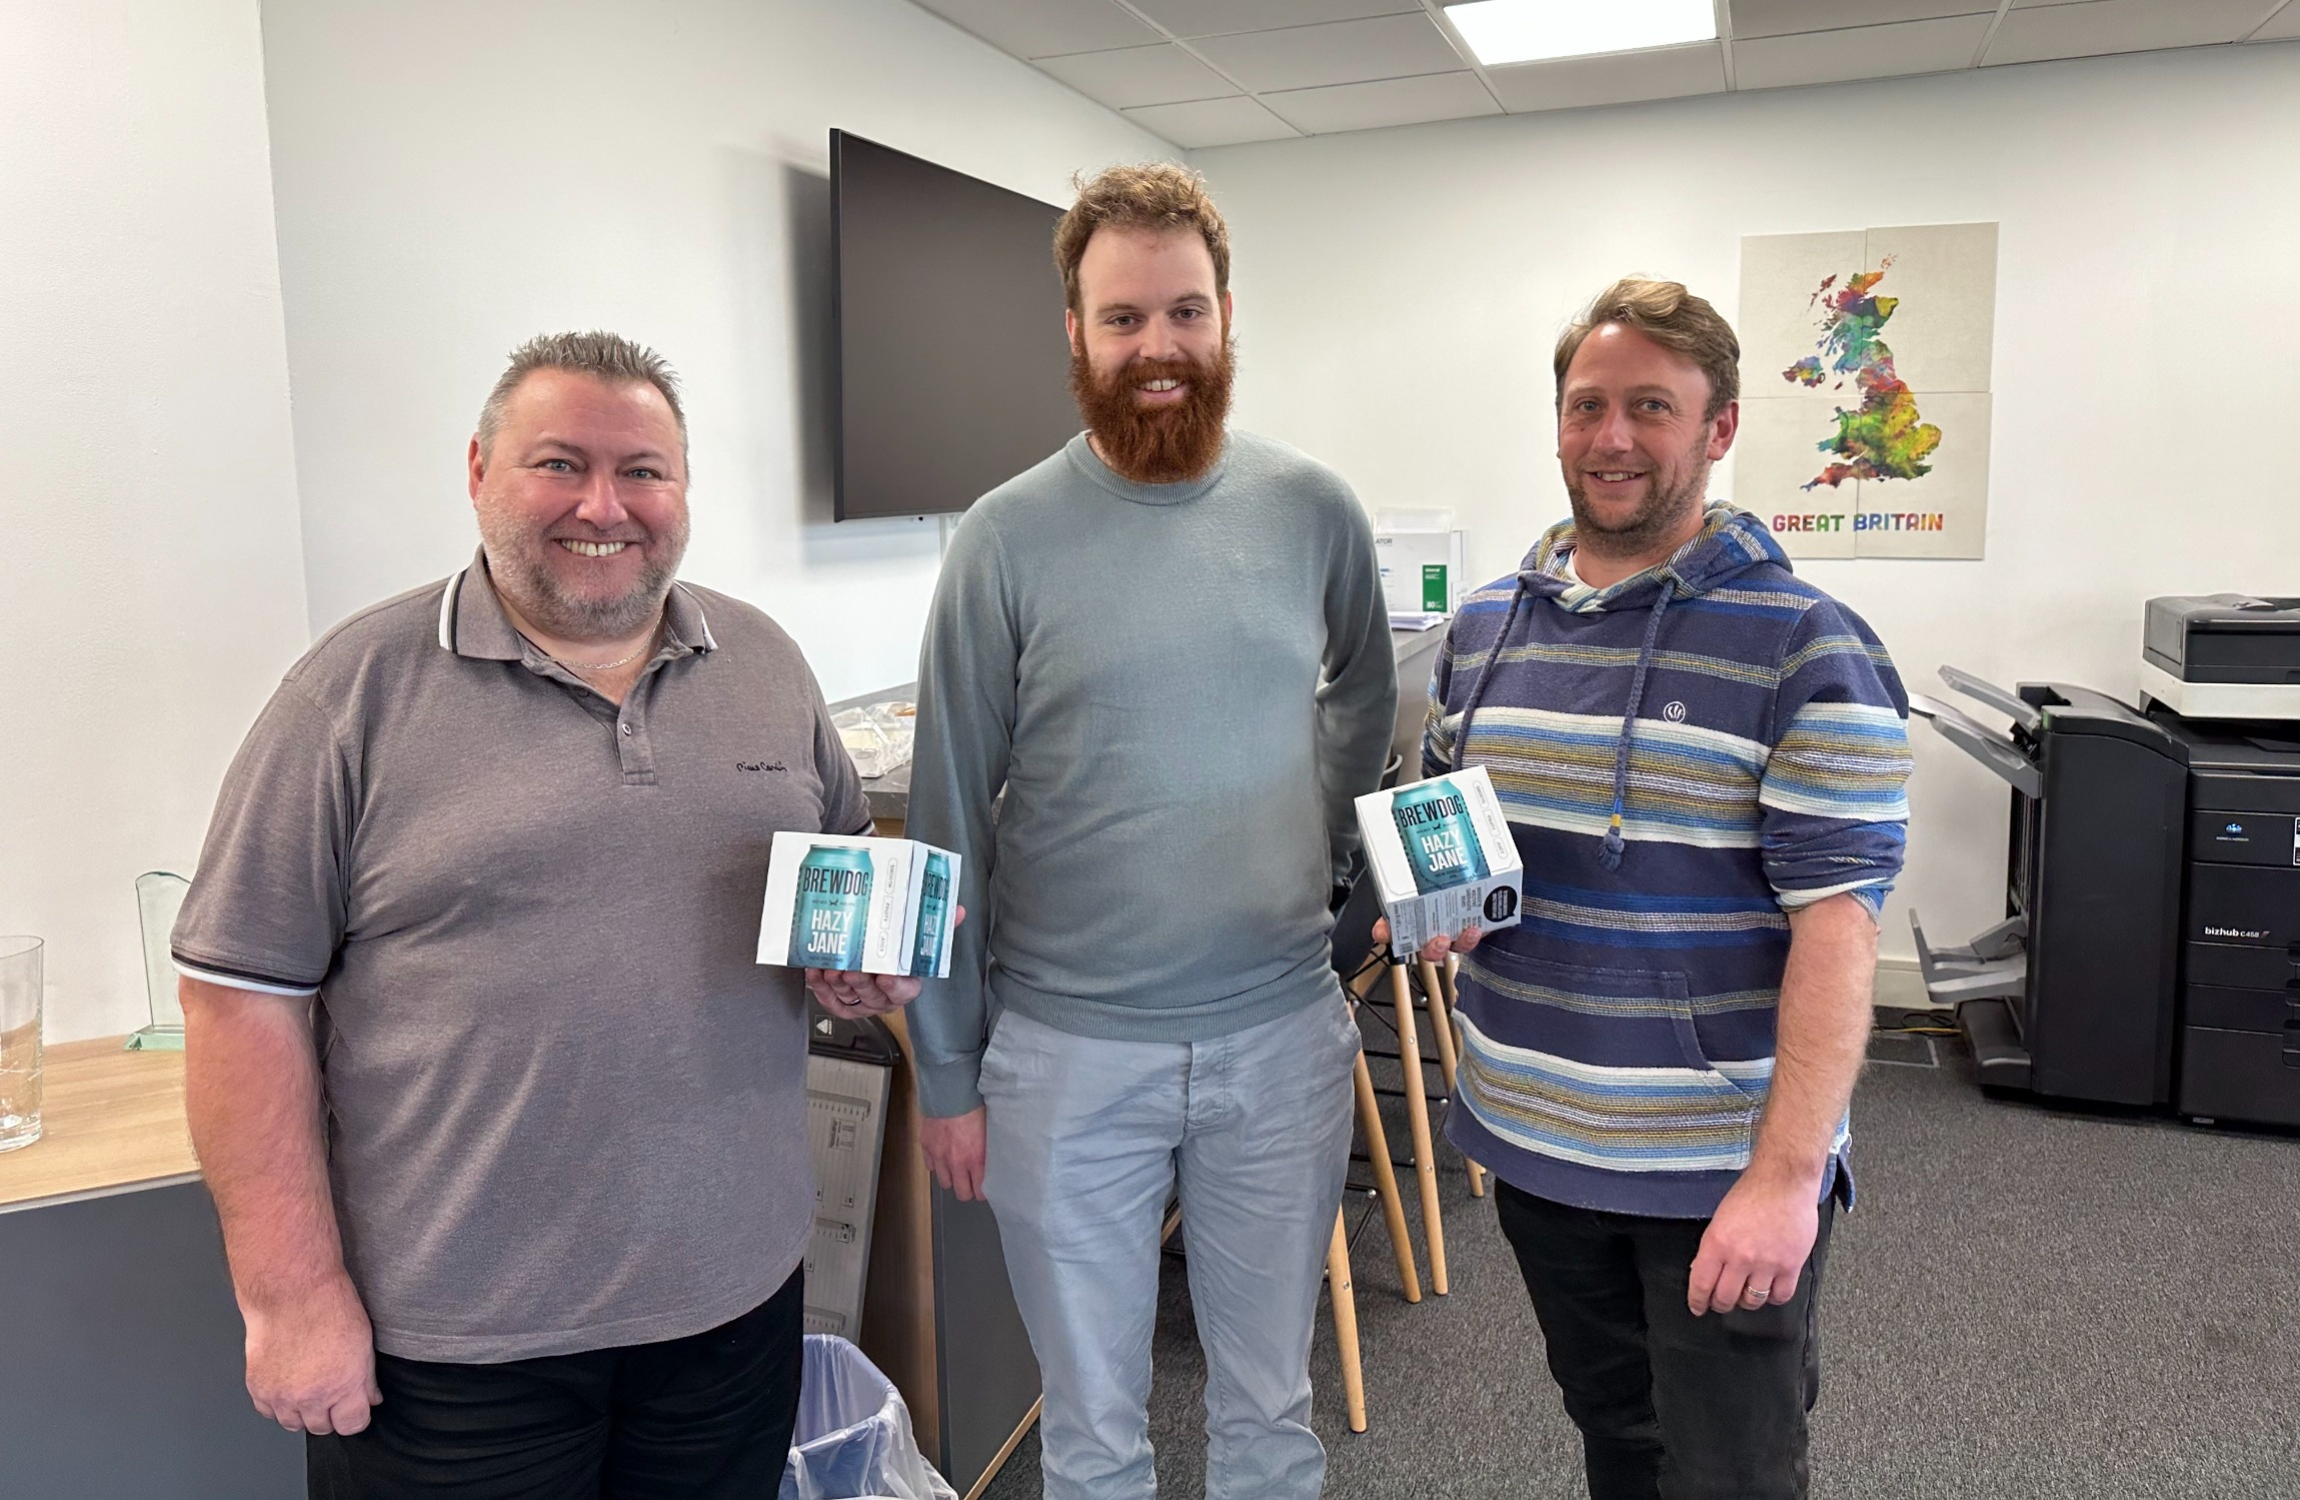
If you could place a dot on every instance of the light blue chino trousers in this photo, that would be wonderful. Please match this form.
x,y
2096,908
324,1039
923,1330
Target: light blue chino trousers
x,y
1085,1141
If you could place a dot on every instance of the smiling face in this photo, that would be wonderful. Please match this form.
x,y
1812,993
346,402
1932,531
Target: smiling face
x,y
582,503
1150,356
1635,441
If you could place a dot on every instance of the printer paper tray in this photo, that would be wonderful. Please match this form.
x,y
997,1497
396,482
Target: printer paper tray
x,y
1993,966
1992,750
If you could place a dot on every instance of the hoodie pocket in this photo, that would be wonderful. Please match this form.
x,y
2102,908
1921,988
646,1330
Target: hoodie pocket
x,y
1622,1018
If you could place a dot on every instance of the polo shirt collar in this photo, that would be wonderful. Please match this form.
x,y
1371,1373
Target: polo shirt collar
x,y
472,622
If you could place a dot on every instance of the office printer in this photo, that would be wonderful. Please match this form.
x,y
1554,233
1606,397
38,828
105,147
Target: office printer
x,y
2222,656
2239,996
2150,953
2072,995
2221,673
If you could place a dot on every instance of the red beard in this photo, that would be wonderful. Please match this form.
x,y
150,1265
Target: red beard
x,y
1159,444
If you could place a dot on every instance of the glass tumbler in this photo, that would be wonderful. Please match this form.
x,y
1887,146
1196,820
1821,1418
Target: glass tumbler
x,y
19,1041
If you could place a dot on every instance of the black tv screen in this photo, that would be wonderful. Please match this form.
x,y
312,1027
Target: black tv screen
x,y
952,367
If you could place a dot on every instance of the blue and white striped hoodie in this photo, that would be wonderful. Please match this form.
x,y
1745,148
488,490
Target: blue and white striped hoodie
x,y
1683,757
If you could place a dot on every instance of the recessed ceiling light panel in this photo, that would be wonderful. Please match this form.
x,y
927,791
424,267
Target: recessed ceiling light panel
x,y
1514,31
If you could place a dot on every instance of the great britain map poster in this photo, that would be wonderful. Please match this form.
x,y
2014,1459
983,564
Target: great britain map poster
x,y
1865,389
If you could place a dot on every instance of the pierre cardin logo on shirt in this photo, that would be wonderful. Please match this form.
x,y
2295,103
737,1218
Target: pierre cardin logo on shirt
x,y
761,765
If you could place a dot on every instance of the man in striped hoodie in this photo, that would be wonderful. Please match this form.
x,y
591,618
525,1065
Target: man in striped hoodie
x,y
1702,758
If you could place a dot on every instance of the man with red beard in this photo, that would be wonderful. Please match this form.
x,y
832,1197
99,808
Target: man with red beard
x,y
1166,646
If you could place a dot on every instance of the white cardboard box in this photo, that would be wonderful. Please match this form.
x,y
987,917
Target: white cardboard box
x,y
1442,858
880,906
1421,570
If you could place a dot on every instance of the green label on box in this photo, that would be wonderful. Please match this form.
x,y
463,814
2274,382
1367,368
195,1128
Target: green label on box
x,y
1433,588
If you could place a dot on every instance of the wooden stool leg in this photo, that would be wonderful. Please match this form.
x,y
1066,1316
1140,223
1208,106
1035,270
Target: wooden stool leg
x,y
1441,987
1418,1119
1386,1182
1441,1023
1346,1326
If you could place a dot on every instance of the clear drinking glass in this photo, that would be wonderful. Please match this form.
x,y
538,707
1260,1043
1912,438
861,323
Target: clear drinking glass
x,y
19,1041
159,896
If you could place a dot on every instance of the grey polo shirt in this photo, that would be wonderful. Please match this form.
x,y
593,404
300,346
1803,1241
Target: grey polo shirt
x,y
566,1110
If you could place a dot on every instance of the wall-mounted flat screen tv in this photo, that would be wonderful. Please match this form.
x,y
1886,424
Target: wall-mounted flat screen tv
x,y
952,369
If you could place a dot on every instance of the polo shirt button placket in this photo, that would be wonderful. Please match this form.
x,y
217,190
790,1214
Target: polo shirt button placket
x,y
637,764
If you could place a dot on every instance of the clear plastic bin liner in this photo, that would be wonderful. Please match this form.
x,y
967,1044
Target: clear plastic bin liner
x,y
853,1440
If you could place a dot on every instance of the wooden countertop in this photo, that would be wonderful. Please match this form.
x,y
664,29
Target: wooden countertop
x,y
113,1121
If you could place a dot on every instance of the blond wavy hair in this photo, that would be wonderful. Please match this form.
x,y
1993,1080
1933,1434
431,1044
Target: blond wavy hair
x,y
1670,316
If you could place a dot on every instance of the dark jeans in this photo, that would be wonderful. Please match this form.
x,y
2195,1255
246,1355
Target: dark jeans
x,y
697,1418
1670,1406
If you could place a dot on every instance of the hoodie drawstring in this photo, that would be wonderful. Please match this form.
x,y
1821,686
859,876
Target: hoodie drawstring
x,y
1609,854
1485,671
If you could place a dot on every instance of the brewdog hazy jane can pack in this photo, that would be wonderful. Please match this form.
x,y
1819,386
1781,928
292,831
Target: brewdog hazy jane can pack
x,y
1441,857
877,906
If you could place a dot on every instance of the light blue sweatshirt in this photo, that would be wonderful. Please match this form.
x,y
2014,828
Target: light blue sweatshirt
x,y
1180,688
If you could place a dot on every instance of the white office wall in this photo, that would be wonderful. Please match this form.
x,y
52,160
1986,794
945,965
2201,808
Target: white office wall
x,y
449,180
452,178
1399,292
152,589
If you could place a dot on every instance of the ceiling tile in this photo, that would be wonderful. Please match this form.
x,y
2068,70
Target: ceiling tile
x,y
1212,122
1386,101
1133,76
1860,52
1755,18
2034,33
1043,28
1614,78
2284,26
1303,57
1193,18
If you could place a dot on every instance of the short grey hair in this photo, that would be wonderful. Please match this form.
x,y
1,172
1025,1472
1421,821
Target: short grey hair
x,y
602,355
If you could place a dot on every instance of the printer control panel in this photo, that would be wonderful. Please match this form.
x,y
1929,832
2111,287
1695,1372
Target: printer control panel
x,y
2246,838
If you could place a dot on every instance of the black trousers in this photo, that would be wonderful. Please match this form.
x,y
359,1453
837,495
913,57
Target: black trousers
x,y
707,1417
1670,1406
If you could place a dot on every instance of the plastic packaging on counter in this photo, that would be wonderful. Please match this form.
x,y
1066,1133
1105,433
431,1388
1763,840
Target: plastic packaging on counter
x,y
879,737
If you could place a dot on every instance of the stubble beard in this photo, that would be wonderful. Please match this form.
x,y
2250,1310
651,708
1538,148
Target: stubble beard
x,y
1652,525
518,565
1160,444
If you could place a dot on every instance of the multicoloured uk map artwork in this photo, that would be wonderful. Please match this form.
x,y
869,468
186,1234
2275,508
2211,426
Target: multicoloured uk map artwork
x,y
1883,437
1865,389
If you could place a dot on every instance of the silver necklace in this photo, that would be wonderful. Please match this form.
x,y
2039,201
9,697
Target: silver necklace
x,y
608,666
602,666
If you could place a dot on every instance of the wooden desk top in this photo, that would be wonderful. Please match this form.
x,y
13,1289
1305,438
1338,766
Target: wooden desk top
x,y
113,1120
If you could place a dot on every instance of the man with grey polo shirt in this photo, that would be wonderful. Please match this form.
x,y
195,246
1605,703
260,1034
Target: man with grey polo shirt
x,y
515,1200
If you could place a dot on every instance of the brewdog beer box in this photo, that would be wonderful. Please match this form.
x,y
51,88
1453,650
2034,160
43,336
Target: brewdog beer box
x,y
1441,857
880,906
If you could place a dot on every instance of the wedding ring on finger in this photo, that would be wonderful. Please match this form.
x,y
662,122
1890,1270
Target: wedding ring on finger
x,y
1754,1296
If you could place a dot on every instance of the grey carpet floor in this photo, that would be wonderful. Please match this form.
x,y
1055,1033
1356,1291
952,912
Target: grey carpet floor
x,y
2025,1303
